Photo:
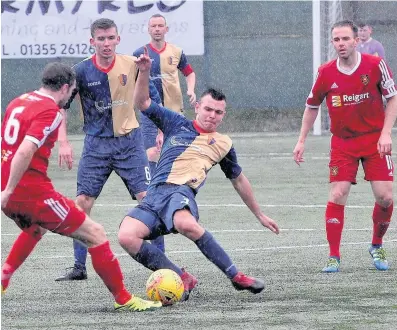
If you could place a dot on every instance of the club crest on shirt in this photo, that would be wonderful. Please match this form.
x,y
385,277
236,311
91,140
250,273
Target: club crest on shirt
x,y
211,140
334,170
123,79
364,79
170,60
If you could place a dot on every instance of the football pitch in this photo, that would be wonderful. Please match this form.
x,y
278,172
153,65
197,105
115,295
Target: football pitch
x,y
297,295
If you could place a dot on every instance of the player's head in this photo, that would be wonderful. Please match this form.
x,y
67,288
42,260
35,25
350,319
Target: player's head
x,y
104,37
210,109
59,80
364,31
157,27
344,38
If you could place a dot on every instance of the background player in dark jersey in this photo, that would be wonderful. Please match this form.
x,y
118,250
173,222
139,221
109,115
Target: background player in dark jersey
x,y
190,150
353,86
167,61
113,141
29,131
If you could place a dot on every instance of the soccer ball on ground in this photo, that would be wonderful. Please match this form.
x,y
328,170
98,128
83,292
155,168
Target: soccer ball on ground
x,y
166,286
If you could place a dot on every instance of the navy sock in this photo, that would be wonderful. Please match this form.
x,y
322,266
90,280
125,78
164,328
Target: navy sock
x,y
159,243
152,258
80,254
152,168
216,254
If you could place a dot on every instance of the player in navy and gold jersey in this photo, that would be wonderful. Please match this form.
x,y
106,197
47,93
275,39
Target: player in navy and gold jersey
x,y
167,61
113,141
190,150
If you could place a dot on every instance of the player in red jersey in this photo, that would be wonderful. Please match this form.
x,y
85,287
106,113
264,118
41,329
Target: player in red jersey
x,y
353,86
29,131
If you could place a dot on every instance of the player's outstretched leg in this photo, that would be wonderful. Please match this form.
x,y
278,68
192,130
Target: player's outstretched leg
x,y
20,250
107,267
131,235
159,243
217,255
187,225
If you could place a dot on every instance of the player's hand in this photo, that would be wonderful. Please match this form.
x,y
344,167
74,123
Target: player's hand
x,y
143,62
384,144
65,155
192,97
269,223
159,140
5,196
298,153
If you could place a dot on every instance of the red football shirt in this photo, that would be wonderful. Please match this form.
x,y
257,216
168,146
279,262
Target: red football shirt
x,y
33,116
354,98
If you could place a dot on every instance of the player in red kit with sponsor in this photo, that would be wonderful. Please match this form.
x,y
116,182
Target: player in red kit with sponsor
x,y
353,86
29,131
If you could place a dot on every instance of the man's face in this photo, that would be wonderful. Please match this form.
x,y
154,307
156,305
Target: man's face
x,y
364,33
157,28
66,93
344,41
105,42
209,113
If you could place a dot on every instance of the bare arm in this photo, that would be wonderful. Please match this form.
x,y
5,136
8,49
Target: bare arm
x,y
62,133
65,151
191,84
309,117
141,94
385,140
244,189
390,114
19,165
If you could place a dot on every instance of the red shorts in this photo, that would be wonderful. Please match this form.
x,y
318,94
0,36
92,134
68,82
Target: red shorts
x,y
40,205
346,154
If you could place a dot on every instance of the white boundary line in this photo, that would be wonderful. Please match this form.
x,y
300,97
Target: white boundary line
x,y
224,231
232,250
313,206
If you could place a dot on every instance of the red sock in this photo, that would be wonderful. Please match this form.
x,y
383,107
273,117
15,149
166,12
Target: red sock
x,y
107,267
381,217
20,250
334,220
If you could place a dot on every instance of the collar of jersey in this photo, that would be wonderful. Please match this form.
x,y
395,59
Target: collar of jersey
x,y
199,129
157,50
103,69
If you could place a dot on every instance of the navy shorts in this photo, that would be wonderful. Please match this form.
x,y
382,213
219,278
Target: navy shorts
x,y
125,155
149,131
157,209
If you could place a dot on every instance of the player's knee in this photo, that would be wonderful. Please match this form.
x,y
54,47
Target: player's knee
x,y
187,225
339,195
131,234
152,154
385,199
97,234
38,233
85,203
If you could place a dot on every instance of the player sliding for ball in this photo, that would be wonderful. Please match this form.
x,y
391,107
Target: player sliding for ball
x,y
190,150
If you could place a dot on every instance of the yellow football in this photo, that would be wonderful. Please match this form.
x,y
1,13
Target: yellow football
x,y
166,286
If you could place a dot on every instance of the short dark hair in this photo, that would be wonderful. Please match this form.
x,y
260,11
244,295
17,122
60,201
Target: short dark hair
x,y
57,74
157,16
362,24
102,24
346,23
216,94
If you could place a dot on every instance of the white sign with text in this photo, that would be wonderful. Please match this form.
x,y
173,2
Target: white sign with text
x,y
40,29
